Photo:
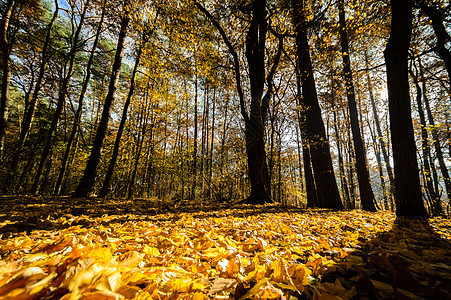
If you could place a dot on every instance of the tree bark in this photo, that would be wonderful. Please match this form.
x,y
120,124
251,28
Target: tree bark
x,y
366,193
255,126
86,183
407,181
326,184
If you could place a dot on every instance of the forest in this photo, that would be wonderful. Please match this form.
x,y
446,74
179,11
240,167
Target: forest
x,y
207,149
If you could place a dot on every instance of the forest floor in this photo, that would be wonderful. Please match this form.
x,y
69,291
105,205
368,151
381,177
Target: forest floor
x,y
63,248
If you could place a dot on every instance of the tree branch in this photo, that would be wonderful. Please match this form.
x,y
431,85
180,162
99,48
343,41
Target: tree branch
x,y
236,62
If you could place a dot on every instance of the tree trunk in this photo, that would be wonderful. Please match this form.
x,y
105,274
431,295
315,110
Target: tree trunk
x,y
254,125
139,146
75,125
6,49
407,181
86,183
326,184
106,183
436,139
440,32
436,208
380,138
194,154
379,166
300,164
30,108
366,193
344,182
59,106
212,138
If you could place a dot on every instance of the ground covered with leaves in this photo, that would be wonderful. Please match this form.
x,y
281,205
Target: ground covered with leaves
x,y
62,248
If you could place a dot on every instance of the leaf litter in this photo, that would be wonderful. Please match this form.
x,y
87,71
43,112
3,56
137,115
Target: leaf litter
x,y
221,252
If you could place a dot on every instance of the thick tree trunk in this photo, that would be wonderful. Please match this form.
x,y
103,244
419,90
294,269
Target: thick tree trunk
x,y
326,184
254,127
366,193
407,181
75,125
86,183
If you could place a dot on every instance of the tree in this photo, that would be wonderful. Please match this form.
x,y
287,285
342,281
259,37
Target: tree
x,y
86,183
31,105
106,183
407,181
326,184
81,98
254,121
430,9
366,193
60,102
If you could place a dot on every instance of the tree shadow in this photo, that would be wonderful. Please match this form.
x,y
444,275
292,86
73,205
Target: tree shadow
x,y
411,261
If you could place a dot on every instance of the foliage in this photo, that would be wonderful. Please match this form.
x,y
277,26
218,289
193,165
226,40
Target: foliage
x,y
62,248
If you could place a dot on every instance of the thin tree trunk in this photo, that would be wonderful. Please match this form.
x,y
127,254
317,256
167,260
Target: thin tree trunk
x,y
436,208
350,162
440,32
30,108
366,193
210,160
379,167
59,107
204,141
300,164
436,138
6,45
194,154
106,183
143,123
344,182
86,183
326,184
380,137
76,124
408,197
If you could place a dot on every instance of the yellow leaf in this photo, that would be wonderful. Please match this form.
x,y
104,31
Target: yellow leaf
x,y
151,251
